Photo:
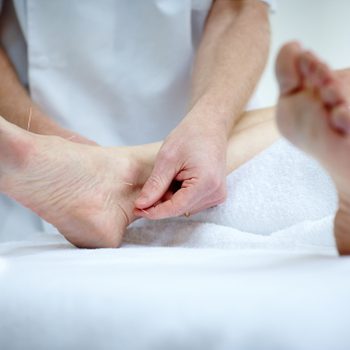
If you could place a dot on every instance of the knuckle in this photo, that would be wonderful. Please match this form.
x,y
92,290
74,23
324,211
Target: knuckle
x,y
170,213
213,181
220,196
168,156
177,212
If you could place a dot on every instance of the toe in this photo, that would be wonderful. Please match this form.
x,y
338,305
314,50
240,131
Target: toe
x,y
314,72
321,75
340,118
309,67
286,68
307,63
331,94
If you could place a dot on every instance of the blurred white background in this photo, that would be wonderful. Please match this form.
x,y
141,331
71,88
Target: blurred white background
x,y
320,25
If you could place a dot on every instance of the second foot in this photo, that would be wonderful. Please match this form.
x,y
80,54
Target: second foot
x,y
313,113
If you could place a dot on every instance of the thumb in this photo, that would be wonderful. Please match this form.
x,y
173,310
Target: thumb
x,y
157,184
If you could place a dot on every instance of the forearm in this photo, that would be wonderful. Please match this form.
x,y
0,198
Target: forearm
x,y
16,105
255,131
230,60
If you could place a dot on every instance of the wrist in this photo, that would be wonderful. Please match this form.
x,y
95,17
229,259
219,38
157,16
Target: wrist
x,y
210,113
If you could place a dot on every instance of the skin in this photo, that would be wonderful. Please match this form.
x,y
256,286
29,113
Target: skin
x,y
194,152
313,113
88,192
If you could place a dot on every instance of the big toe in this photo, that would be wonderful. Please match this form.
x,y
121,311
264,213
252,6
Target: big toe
x,y
287,72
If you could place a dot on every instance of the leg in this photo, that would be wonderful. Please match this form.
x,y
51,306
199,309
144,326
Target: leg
x,y
313,113
88,192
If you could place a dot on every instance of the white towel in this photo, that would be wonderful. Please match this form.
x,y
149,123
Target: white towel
x,y
280,198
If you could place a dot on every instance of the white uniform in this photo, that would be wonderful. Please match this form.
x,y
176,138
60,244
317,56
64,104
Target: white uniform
x,y
115,71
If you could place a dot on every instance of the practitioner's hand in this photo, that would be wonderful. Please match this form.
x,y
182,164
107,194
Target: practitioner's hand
x,y
189,174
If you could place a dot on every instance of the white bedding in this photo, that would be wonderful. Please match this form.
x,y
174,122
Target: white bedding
x,y
54,296
235,277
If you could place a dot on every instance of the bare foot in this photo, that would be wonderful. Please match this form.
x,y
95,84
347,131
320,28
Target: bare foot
x,y
313,113
87,192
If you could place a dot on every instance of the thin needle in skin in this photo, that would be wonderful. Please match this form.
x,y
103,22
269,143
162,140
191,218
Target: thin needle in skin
x,y
126,183
29,118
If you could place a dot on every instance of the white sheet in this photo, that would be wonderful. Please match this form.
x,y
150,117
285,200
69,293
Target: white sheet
x,y
230,278
54,296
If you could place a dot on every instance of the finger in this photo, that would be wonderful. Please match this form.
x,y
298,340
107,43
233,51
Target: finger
x,y
181,202
197,207
200,200
209,200
167,196
205,206
156,185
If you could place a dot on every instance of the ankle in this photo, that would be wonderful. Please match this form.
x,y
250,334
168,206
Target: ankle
x,y
137,165
143,159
